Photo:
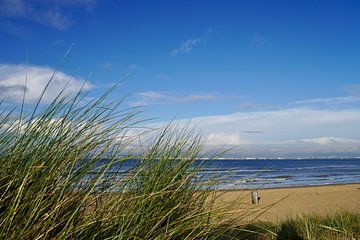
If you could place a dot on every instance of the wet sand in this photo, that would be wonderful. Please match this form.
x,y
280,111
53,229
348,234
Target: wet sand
x,y
282,203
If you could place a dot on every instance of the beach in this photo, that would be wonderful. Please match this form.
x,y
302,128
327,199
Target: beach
x,y
278,204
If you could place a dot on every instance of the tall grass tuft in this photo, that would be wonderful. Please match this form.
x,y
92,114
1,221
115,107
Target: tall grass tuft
x,y
337,226
61,176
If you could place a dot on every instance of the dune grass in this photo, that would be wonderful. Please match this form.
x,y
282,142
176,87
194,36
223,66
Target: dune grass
x,y
61,177
337,226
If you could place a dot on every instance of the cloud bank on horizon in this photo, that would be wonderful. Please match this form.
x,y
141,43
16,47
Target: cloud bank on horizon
x,y
292,132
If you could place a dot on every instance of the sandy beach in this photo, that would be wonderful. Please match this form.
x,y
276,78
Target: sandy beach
x,y
281,203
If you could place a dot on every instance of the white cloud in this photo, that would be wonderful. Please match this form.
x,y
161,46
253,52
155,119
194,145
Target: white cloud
x,y
301,148
187,46
50,13
153,96
156,98
225,139
295,131
334,100
330,140
12,80
321,146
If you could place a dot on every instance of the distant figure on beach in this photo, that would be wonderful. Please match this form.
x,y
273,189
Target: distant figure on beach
x,y
255,199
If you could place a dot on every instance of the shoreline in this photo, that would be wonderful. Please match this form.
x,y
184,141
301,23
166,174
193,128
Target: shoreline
x,y
278,204
287,187
290,158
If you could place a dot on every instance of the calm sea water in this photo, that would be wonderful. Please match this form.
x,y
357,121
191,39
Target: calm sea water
x,y
235,174
239,174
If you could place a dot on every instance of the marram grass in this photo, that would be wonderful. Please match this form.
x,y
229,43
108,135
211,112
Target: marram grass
x,y
60,178
55,184
339,225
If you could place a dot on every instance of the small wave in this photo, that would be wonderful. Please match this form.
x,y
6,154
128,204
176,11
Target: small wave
x,y
340,166
235,169
282,177
320,175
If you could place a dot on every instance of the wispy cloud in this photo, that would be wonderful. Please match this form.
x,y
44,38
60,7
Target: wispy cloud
x,y
187,46
333,100
14,29
200,97
252,131
133,67
229,139
49,13
162,77
12,82
106,65
353,89
156,98
209,31
87,4
56,42
258,40
250,106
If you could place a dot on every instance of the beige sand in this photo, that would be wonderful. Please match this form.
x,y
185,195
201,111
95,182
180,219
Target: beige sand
x,y
297,201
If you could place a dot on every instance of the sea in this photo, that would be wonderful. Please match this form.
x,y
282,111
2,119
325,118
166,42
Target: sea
x,y
231,174
274,173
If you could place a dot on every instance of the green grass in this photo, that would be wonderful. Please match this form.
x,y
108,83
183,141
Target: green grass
x,y
48,153
337,226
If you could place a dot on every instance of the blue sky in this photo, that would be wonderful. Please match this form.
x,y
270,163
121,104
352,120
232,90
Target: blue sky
x,y
271,77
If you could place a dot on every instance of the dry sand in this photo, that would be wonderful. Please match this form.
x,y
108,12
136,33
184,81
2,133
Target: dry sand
x,y
296,201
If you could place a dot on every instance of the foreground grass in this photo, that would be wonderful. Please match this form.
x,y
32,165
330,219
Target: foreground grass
x,y
61,176
337,226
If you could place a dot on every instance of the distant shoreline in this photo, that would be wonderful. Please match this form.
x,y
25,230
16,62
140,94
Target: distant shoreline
x,y
319,158
288,187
